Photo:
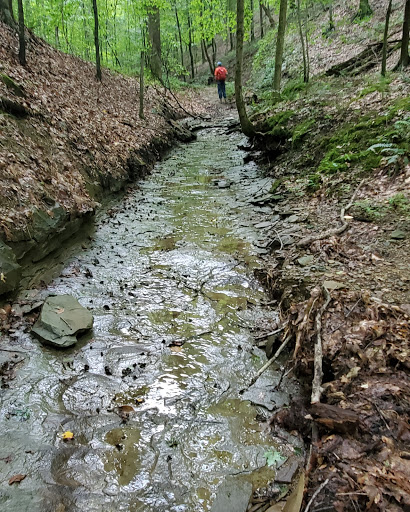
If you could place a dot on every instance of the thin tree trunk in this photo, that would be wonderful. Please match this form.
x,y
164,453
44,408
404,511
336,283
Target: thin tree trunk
x,y
97,41
385,36
279,46
180,42
247,127
213,52
302,42
268,14
154,32
252,22
57,36
141,111
261,17
22,40
404,53
208,58
331,22
307,43
191,56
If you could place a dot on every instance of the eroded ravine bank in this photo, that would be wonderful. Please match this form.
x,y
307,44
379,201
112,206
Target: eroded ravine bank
x,y
67,141
169,277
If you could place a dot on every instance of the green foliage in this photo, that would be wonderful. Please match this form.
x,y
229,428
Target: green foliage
x,y
293,90
400,202
280,119
274,457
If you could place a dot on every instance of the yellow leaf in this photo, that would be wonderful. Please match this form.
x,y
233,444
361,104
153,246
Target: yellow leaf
x,y
2,277
68,435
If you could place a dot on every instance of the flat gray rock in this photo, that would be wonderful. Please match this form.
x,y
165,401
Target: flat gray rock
x,y
233,496
286,473
61,320
10,270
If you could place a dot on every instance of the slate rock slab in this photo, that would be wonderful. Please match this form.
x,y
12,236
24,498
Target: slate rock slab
x,y
61,320
10,270
233,496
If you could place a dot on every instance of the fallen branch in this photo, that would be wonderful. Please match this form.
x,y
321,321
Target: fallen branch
x,y
266,335
318,372
267,364
335,231
315,494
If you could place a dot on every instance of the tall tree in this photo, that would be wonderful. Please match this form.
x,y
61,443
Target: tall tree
x,y
404,53
154,33
97,41
191,55
22,39
385,35
180,41
302,42
246,126
252,23
279,46
261,17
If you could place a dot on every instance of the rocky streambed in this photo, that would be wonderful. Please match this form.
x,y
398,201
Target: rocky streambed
x,y
147,411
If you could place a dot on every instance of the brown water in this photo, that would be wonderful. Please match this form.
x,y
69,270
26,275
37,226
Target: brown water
x,y
172,263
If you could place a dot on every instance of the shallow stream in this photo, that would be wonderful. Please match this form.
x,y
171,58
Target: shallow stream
x,y
169,277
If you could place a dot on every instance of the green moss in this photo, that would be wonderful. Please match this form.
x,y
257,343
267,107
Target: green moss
x,y
300,131
280,119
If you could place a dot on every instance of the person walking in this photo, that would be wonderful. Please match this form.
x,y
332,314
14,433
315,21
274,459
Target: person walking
x,y
220,77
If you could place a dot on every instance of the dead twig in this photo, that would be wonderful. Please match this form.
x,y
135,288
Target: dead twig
x,y
318,372
315,494
266,335
268,363
334,231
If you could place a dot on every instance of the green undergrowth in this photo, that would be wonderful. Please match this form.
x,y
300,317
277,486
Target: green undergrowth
x,y
366,143
379,211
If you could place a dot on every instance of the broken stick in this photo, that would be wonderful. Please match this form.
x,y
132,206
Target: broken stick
x,y
318,372
267,364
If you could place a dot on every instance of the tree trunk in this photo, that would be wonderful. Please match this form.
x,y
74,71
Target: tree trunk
x,y
302,42
247,127
141,111
154,32
261,17
252,22
97,41
385,36
279,46
22,40
213,51
364,10
404,54
6,13
268,14
191,56
180,42
307,42
208,58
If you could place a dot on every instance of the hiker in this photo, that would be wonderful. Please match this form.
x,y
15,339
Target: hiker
x,y
220,77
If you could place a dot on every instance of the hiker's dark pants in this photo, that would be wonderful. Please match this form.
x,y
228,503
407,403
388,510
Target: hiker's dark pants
x,y
221,89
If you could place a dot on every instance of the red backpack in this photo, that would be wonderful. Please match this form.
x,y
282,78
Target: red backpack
x,y
220,73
